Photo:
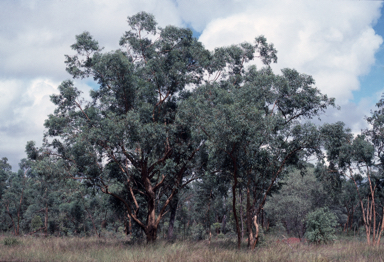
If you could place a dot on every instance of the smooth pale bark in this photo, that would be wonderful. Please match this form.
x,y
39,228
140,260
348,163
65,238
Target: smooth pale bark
x,y
151,228
257,232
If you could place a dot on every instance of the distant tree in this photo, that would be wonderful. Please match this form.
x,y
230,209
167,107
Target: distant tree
x,y
14,196
360,159
5,172
302,194
350,201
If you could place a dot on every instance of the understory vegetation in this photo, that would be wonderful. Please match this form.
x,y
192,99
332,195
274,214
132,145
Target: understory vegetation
x,y
113,249
186,154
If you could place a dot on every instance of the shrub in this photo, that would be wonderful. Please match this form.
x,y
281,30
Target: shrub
x,y
221,236
197,232
320,226
10,241
36,222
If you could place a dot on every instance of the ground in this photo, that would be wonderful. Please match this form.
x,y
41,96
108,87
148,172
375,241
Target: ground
x,y
109,249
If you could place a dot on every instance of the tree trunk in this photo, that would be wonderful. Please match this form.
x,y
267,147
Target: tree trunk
x,y
249,218
19,213
207,220
46,220
128,225
381,229
351,222
262,218
234,202
152,222
241,214
257,232
151,227
173,208
235,214
224,220
347,223
210,235
223,224
151,233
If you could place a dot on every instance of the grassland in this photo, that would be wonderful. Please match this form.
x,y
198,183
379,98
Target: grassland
x,y
109,249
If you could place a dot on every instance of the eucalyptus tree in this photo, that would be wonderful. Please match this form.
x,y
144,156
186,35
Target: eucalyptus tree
x,y
49,193
14,195
350,201
253,122
360,160
129,141
5,172
5,168
302,194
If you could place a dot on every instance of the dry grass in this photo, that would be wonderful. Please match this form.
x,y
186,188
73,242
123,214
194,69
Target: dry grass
x,y
93,249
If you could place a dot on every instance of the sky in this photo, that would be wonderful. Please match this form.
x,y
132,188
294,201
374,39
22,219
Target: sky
x,y
339,43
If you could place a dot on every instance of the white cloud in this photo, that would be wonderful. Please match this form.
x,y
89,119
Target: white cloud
x,y
23,109
331,40
35,35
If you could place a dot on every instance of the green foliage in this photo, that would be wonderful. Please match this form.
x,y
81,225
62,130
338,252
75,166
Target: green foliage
x,y
11,241
198,232
221,236
302,194
36,222
320,226
216,225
